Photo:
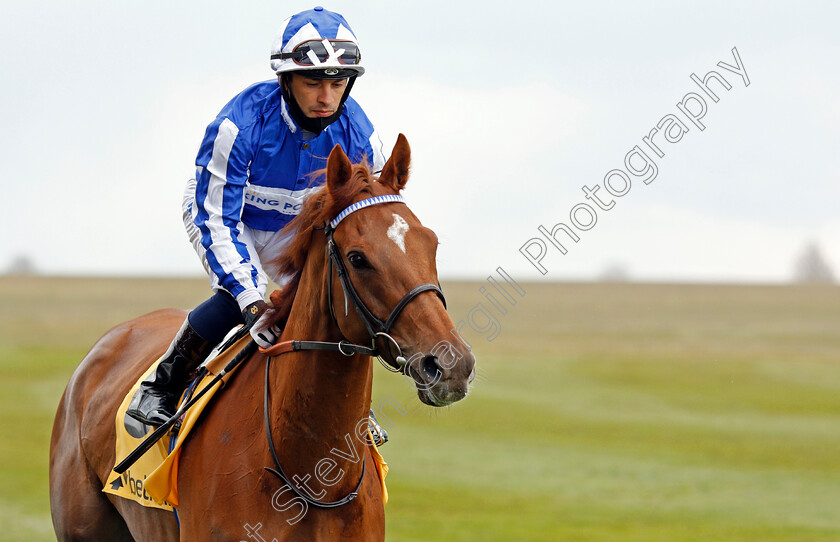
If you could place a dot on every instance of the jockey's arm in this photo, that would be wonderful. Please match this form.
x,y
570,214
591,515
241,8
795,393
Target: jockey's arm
x,y
221,174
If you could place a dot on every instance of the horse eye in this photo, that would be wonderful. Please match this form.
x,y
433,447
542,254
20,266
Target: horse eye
x,y
358,261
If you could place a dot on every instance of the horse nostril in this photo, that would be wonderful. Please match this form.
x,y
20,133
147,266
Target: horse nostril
x,y
430,367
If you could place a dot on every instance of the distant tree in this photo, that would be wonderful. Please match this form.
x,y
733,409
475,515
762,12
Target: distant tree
x,y
21,265
812,268
615,272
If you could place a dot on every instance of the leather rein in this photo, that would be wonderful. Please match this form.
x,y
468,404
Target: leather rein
x,y
375,327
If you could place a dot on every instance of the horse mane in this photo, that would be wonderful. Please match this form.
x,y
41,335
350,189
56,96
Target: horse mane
x,y
318,209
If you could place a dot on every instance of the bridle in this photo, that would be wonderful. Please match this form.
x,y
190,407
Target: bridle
x,y
375,327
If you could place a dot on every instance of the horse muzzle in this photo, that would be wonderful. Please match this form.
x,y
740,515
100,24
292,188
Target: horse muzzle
x,y
441,381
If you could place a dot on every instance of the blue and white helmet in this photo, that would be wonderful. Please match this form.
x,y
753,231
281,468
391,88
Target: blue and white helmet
x,y
319,41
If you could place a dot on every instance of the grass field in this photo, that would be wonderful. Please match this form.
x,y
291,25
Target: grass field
x,y
602,412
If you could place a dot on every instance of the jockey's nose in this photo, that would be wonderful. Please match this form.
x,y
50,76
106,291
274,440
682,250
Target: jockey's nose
x,y
325,95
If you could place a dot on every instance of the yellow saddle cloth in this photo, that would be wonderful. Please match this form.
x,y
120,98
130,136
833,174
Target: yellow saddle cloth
x,y
153,480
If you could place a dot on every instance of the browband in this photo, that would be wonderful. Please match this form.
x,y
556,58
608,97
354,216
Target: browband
x,y
365,203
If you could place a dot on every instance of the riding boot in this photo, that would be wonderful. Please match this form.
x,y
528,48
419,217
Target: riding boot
x,y
159,394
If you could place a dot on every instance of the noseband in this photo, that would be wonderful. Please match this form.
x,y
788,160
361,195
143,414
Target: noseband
x,y
376,328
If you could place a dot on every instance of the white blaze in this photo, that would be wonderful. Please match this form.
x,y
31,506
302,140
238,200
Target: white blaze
x,y
397,231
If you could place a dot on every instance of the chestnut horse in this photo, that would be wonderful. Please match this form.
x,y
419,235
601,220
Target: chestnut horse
x,y
317,397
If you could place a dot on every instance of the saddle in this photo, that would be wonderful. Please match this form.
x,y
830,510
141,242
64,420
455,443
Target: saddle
x,y
152,480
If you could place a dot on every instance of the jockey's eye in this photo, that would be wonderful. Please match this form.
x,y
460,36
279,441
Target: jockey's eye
x,y
358,261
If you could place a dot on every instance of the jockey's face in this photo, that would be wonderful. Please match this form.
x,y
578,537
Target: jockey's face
x,y
317,97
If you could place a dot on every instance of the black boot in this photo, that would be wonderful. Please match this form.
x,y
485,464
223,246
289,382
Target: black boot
x,y
158,397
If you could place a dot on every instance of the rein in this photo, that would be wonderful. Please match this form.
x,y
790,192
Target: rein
x,y
376,328
282,475
347,349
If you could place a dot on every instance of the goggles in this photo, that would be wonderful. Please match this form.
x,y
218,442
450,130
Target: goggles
x,y
317,52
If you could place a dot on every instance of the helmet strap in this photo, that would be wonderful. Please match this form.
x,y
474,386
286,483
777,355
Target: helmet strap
x,y
318,124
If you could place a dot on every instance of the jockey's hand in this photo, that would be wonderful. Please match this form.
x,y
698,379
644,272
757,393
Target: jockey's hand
x,y
265,335
253,311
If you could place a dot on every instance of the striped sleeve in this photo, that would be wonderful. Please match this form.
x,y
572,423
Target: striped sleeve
x,y
378,156
364,140
222,171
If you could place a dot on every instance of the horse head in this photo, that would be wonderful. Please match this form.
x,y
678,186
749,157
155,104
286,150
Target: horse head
x,y
381,276
389,260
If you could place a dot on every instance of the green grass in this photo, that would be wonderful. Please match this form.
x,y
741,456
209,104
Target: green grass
x,y
46,327
602,412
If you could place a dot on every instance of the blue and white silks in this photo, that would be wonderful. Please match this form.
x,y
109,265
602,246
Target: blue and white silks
x,y
253,171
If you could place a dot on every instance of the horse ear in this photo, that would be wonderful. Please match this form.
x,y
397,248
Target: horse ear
x,y
339,169
395,172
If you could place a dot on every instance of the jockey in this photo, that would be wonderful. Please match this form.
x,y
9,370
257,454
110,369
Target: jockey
x,y
252,174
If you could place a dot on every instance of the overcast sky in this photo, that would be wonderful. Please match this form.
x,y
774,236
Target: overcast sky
x,y
510,108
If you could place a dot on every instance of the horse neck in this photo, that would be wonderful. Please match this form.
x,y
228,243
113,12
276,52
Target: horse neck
x,y
320,397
